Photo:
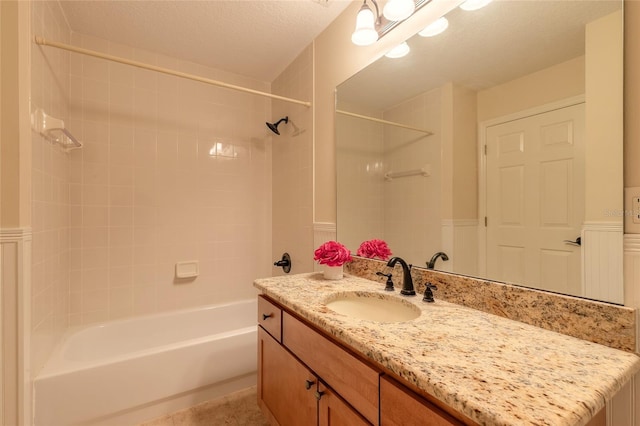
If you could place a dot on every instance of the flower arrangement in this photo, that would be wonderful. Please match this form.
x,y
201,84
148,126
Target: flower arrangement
x,y
332,253
374,248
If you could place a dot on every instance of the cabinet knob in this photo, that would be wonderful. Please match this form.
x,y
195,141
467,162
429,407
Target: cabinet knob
x,y
309,383
318,395
265,316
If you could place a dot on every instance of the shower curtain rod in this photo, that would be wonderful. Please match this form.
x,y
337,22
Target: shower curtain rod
x,y
379,120
44,42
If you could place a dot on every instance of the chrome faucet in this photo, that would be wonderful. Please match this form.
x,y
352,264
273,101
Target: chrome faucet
x,y
432,263
407,281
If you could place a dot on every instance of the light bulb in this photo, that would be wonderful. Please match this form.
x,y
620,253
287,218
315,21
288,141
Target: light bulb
x,y
435,28
397,10
399,51
365,32
474,4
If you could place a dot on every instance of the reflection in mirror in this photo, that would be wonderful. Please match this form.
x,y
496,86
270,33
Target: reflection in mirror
x,y
520,180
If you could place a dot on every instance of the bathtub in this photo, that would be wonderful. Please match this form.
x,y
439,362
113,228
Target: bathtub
x,y
127,371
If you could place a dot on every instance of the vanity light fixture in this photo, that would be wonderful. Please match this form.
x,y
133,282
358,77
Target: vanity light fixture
x,y
474,4
435,28
399,51
398,10
366,22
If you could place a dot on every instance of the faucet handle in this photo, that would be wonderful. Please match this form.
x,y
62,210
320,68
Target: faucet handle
x,y
389,286
428,293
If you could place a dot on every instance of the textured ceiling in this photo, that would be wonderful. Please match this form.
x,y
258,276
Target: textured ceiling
x,y
252,38
505,40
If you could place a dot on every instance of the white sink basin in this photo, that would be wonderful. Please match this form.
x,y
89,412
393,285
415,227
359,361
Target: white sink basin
x,y
373,307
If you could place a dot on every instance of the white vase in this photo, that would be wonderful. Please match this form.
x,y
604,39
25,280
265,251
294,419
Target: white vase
x,y
332,272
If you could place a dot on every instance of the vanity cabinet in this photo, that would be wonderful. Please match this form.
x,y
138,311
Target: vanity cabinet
x,y
304,378
289,393
400,406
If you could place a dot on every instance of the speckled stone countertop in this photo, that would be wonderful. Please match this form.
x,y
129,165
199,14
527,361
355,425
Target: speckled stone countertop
x,y
493,370
604,323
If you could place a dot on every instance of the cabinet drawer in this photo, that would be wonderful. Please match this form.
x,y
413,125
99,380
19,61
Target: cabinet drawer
x,y
399,406
347,375
270,317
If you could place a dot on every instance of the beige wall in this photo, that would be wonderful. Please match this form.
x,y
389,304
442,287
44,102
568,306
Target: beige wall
x,y
604,118
462,170
15,164
551,84
632,93
292,157
15,210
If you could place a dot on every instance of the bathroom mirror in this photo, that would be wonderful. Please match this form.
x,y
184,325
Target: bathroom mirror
x,y
510,158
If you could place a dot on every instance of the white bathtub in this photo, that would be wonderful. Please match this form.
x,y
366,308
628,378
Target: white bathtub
x,y
100,373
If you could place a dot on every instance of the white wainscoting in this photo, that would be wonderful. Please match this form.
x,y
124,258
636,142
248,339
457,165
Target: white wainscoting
x,y
15,307
632,278
460,243
322,232
632,270
601,256
621,409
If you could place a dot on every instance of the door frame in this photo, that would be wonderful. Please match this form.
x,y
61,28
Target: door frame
x,y
482,164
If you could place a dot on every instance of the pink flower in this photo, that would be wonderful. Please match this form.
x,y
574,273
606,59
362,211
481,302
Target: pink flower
x,y
332,253
374,248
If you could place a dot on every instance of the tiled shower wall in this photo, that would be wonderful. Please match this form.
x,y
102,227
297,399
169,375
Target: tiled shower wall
x,y
50,187
171,170
414,200
370,205
360,164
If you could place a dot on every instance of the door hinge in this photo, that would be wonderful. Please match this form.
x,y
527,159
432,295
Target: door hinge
x,y
485,149
485,221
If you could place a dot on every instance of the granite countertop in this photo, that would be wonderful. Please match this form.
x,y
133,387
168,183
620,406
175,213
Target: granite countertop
x,y
493,370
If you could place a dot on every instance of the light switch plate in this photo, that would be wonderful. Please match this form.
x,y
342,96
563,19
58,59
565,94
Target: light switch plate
x,y
632,210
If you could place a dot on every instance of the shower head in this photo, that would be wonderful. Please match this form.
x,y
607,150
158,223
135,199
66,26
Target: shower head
x,y
274,126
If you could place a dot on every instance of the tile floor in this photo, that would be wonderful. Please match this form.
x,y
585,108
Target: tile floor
x,y
237,409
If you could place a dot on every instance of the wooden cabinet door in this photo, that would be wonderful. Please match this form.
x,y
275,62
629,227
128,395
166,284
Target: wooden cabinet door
x,y
399,406
354,380
286,388
334,411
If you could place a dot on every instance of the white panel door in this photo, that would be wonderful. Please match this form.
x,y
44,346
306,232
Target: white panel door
x,y
535,199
